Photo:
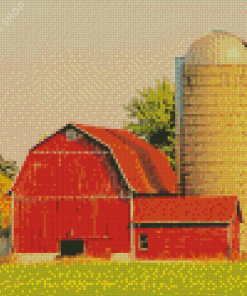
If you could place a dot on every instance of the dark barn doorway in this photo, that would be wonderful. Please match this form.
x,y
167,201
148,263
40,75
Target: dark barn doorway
x,y
71,247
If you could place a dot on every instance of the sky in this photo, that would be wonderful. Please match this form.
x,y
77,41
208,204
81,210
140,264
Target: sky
x,y
82,60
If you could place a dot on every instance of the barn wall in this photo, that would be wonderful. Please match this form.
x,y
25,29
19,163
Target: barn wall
x,y
40,225
61,167
182,243
71,175
104,248
234,238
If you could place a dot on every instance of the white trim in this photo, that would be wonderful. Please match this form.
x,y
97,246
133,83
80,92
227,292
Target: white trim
x,y
41,198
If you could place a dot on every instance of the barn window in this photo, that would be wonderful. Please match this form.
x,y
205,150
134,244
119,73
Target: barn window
x,y
71,134
143,241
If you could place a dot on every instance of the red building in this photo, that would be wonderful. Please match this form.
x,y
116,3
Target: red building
x,y
82,190
186,227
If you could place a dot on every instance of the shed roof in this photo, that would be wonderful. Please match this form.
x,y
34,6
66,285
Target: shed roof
x,y
144,168
184,209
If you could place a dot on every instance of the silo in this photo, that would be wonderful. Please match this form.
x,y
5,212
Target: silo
x,y
214,147
179,90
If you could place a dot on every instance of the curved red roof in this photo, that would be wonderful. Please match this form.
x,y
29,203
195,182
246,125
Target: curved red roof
x,y
146,169
157,165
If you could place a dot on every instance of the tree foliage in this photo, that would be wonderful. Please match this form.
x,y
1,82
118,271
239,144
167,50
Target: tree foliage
x,y
155,113
8,171
5,201
8,168
5,210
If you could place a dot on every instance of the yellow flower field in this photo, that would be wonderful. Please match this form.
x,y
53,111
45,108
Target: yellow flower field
x,y
78,276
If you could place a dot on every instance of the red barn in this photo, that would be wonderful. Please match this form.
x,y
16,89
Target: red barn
x,y
81,191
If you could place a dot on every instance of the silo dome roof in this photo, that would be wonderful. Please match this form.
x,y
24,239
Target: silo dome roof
x,y
218,47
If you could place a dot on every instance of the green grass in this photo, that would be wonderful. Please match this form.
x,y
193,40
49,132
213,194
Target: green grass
x,y
124,279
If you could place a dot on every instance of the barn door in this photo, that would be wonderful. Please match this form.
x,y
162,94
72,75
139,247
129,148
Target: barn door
x,y
71,247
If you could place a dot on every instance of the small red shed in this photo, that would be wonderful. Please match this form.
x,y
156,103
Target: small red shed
x,y
173,227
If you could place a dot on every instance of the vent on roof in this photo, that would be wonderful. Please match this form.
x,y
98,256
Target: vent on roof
x,y
71,134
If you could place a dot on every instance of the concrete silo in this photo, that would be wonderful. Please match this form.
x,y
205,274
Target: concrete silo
x,y
213,144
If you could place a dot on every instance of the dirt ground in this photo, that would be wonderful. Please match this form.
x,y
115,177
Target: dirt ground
x,y
11,259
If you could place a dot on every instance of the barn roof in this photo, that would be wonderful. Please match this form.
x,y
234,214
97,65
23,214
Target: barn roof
x,y
144,168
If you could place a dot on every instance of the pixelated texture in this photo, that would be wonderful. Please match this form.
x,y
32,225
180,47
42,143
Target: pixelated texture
x,y
214,122
184,228
71,172
189,208
81,61
5,201
155,112
87,161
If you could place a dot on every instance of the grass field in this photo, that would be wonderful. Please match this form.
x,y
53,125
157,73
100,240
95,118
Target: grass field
x,y
86,277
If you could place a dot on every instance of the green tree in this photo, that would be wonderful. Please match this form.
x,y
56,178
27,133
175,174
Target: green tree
x,y
155,114
8,168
